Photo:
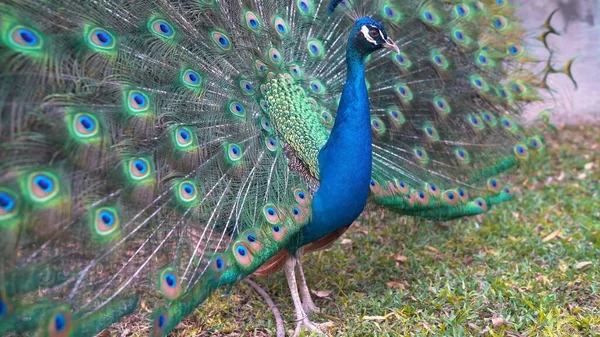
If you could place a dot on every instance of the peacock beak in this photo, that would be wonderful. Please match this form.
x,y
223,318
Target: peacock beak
x,y
390,44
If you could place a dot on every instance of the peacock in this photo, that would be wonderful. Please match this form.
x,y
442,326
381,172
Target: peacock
x,y
155,150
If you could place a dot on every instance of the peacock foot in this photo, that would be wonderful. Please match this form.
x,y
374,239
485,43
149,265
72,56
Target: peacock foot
x,y
306,325
309,306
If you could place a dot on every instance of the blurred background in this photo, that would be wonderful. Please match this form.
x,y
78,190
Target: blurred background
x,y
579,22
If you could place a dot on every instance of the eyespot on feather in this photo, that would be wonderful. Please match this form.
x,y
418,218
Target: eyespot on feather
x,y
410,200
43,186
499,22
252,21
99,39
272,144
253,241
184,137
237,109
24,39
187,191
402,60
9,204
327,119
461,11
106,222
489,118
299,214
508,124
247,87
405,93
85,125
305,6
261,67
438,60
536,143
378,126
295,71
450,197
137,102
59,323
462,155
191,78
139,169
461,37
462,194
169,283
521,151
317,87
421,155
233,153
281,27
396,116
375,187
272,214
493,185
432,189
391,13
218,265
274,56
441,105
221,40
401,186
475,122
430,132
508,190
161,28
315,48
265,124
301,195
279,232
515,50
421,197
481,204
480,83
160,323
242,254
430,17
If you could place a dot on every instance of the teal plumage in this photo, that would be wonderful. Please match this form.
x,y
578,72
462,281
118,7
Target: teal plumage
x,y
160,150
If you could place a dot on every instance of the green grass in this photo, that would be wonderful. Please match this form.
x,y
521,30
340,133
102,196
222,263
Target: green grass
x,y
486,276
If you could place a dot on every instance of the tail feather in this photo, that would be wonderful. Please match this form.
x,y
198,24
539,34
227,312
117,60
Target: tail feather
x,y
134,158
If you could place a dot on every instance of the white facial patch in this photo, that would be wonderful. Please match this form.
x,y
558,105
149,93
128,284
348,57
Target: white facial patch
x,y
365,32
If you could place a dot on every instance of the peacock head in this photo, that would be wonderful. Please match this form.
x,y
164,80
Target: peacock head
x,y
368,36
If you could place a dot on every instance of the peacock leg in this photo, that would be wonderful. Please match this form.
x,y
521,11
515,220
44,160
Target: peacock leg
x,y
301,316
307,302
272,306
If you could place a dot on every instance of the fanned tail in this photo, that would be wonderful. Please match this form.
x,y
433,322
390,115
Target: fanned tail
x,y
156,150
138,159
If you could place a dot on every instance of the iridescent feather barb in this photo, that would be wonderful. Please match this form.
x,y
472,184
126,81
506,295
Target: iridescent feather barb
x,y
157,151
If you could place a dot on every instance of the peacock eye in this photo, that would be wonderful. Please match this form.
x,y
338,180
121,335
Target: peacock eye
x,y
374,32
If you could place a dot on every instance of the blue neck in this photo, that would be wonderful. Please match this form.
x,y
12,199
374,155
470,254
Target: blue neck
x,y
345,160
